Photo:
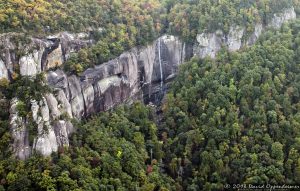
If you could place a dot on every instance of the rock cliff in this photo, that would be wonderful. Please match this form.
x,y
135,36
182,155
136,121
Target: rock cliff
x,y
30,56
136,74
139,74
121,79
50,133
209,44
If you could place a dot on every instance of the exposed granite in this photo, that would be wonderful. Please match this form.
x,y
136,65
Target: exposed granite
x,y
141,73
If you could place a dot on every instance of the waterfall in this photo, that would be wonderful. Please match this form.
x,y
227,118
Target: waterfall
x,y
160,64
183,54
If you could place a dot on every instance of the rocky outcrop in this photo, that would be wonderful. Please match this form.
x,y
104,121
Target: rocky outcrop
x,y
3,70
45,142
54,58
258,29
280,18
137,74
133,75
209,44
29,64
19,132
31,56
142,73
51,131
234,38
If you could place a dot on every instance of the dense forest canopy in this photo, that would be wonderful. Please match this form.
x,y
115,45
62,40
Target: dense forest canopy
x,y
118,25
82,15
234,119
75,15
189,18
230,120
110,152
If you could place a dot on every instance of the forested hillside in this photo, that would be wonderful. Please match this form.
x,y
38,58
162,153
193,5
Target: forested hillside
x,y
233,119
110,152
118,25
189,18
236,119
230,120
139,17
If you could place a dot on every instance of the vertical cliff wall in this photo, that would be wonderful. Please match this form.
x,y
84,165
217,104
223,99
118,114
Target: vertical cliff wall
x,y
139,74
30,56
209,44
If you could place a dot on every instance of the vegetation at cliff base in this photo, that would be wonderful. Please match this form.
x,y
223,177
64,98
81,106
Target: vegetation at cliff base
x,y
230,120
109,152
189,18
234,119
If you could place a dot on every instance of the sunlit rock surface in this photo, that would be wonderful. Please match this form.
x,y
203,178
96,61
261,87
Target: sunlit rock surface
x,y
142,73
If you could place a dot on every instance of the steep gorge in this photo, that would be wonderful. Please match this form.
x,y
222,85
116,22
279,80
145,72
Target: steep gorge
x,y
141,73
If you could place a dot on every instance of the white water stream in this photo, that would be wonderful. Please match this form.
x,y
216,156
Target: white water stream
x,y
160,64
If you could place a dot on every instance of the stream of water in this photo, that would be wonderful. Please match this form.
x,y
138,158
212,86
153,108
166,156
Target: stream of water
x,y
160,64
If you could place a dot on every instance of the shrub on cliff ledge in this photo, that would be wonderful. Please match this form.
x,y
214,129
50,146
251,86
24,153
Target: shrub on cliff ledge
x,y
26,88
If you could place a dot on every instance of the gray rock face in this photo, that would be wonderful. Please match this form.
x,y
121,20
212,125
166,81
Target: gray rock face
x,y
7,52
29,64
45,142
39,54
59,81
19,133
234,39
281,18
209,44
76,97
49,137
119,80
98,89
3,70
62,131
258,29
64,105
55,58
52,104
141,73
